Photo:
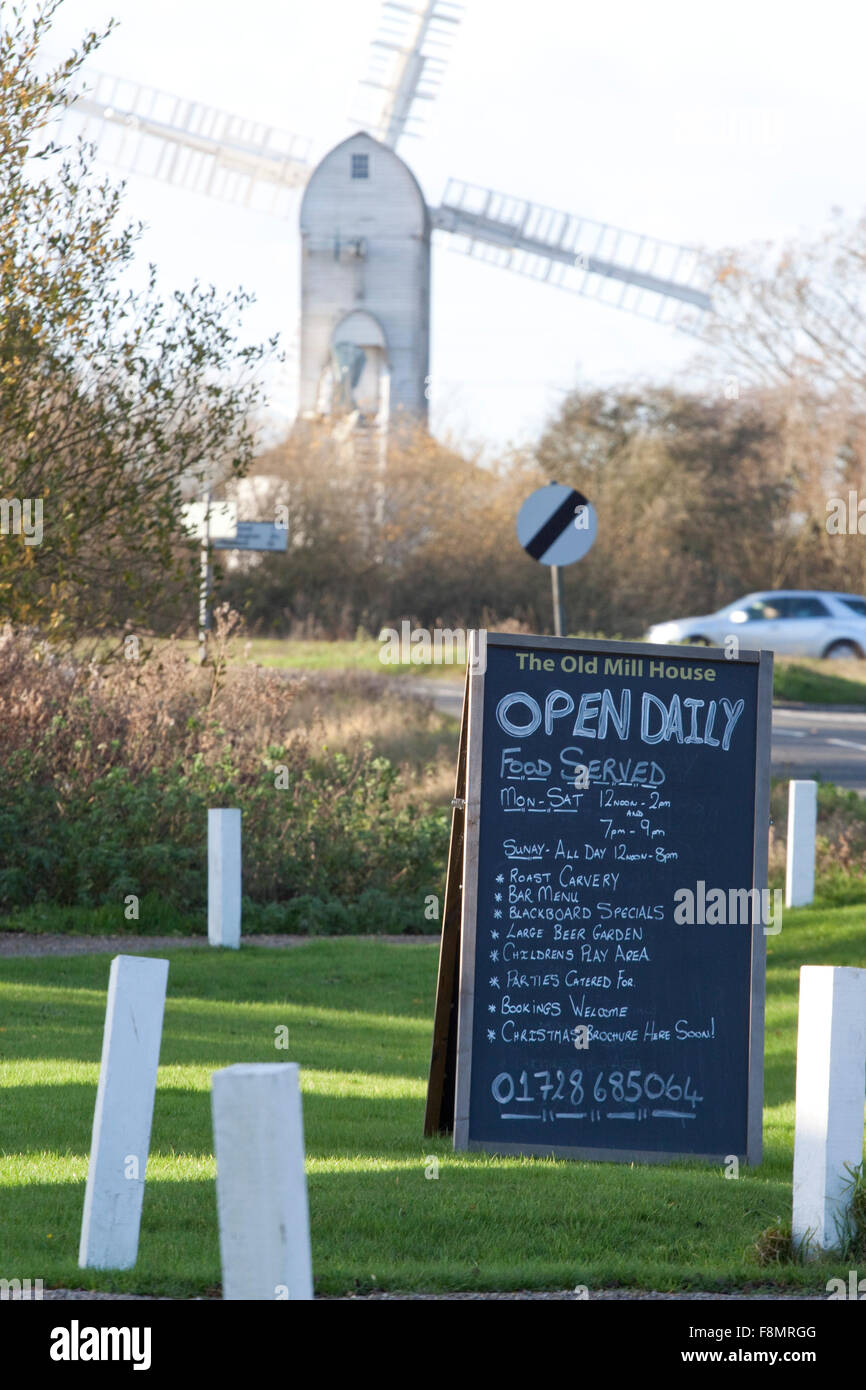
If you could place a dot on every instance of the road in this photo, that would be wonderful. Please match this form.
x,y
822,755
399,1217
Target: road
x,y
806,740
829,742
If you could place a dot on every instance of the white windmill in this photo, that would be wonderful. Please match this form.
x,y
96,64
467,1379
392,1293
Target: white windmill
x,y
366,227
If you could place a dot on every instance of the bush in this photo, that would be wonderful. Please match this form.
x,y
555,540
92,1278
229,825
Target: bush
x,y
108,774
840,843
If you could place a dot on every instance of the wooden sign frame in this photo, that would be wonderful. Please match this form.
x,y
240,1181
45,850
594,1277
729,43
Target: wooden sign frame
x,y
441,1087
448,1098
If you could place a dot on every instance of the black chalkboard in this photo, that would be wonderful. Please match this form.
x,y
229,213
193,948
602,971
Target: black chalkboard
x,y
613,928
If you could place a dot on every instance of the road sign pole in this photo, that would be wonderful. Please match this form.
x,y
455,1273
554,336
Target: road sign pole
x,y
556,526
556,585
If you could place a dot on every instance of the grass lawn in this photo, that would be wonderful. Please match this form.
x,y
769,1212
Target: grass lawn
x,y
799,679
819,682
359,1020
362,654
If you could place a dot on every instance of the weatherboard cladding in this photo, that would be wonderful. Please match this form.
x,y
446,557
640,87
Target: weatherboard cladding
x,y
390,280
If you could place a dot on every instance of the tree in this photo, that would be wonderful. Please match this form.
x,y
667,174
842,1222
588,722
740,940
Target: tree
x,y
701,499
429,538
110,397
795,312
790,323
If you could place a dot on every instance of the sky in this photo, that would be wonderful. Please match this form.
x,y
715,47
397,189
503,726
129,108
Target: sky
x,y
708,125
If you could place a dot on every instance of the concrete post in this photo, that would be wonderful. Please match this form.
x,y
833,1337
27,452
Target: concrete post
x,y
800,858
831,1090
224,878
123,1114
261,1184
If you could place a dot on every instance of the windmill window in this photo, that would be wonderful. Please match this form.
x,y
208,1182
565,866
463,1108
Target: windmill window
x,y
360,166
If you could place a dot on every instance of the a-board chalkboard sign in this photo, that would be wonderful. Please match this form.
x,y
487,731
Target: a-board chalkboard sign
x,y
613,853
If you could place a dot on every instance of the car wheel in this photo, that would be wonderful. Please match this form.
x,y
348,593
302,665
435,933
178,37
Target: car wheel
x,y
698,642
843,651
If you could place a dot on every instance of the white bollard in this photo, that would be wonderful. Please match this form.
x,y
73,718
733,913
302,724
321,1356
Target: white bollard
x,y
831,1091
224,878
123,1114
800,856
261,1184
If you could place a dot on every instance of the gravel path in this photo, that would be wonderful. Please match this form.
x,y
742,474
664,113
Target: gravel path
x,y
566,1295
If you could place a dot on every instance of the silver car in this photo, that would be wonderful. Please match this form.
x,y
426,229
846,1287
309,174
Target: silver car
x,y
792,622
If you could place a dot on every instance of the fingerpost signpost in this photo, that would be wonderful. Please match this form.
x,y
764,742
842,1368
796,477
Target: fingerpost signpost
x,y
216,526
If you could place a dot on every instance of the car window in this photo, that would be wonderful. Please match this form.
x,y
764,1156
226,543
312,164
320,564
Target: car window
x,y
762,609
857,605
806,607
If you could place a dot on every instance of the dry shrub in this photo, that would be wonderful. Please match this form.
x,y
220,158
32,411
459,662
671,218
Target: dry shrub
x,y
430,538
109,771
840,842
774,1246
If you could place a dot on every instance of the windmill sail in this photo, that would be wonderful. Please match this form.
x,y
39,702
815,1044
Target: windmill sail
x,y
407,62
652,278
212,152
189,144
